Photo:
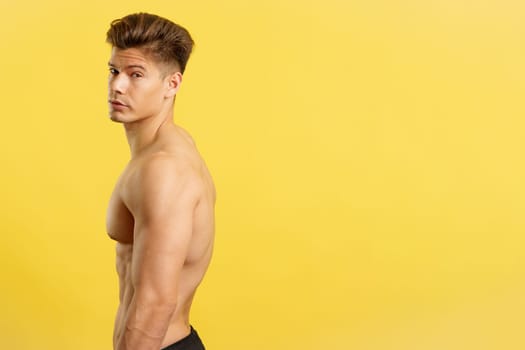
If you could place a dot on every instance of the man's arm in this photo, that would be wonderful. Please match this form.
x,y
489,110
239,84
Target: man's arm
x,y
162,205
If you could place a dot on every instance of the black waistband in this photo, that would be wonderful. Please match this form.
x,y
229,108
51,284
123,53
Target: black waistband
x,y
191,342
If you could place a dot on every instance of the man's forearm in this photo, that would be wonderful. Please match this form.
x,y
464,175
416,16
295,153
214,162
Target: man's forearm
x,y
145,326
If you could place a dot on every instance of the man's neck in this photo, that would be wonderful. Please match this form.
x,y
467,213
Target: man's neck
x,y
143,133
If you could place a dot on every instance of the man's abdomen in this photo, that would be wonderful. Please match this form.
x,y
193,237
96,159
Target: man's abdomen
x,y
124,253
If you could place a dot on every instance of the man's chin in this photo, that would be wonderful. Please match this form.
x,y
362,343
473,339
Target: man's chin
x,y
114,117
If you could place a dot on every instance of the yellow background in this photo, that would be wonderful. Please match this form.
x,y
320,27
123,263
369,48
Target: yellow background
x,y
368,155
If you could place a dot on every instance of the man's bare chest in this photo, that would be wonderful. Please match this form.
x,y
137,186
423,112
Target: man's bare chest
x,y
119,220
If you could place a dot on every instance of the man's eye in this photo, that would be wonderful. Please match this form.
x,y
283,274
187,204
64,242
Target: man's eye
x,y
113,71
136,75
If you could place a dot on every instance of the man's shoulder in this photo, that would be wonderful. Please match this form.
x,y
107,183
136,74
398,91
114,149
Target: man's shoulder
x,y
159,161
159,179
165,170
158,166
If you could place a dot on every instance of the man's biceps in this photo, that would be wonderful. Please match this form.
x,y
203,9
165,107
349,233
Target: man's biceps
x,y
165,234
167,212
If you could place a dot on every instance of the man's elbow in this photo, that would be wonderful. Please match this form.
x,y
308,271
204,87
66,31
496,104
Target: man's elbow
x,y
151,315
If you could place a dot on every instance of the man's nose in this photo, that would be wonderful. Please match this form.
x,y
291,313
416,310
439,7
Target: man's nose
x,y
117,84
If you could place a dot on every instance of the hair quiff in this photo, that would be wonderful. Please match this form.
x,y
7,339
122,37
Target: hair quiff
x,y
164,40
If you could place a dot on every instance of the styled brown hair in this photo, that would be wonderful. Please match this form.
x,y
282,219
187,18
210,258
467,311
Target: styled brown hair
x,y
164,40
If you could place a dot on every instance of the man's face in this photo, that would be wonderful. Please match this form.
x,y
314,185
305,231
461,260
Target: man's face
x,y
136,88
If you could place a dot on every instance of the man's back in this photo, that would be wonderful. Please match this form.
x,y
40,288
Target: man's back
x,y
161,214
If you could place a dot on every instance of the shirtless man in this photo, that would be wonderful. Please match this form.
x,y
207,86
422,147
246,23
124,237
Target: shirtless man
x,y
161,212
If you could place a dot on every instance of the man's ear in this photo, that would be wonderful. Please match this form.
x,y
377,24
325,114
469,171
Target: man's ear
x,y
173,81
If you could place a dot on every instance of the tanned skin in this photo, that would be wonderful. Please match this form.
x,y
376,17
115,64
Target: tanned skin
x,y
161,212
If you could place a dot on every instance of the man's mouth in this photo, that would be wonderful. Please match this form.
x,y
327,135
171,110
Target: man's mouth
x,y
117,103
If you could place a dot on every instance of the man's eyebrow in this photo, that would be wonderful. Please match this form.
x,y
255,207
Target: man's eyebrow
x,y
136,66
130,66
